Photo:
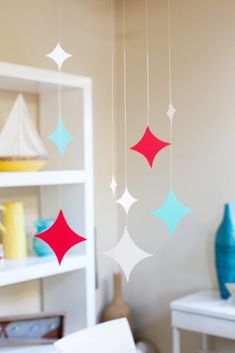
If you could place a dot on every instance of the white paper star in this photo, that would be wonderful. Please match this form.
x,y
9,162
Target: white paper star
x,y
127,254
113,185
171,112
58,55
127,200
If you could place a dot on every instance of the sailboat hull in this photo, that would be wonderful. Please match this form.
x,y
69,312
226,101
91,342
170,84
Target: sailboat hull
x,y
22,165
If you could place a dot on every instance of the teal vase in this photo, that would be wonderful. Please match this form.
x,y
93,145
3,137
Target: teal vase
x,y
225,251
40,247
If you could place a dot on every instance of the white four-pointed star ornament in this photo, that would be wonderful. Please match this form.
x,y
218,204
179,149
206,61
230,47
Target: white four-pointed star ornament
x,y
58,55
113,185
127,254
171,111
127,200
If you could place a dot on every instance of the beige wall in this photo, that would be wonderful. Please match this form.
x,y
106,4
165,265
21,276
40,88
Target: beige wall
x,y
28,31
203,56
203,67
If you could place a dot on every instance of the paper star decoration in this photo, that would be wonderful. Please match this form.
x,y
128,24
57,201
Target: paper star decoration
x,y
127,254
149,146
61,137
127,200
113,185
60,237
172,211
171,112
58,55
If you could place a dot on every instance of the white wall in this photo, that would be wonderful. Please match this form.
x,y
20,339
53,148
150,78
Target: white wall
x,y
203,56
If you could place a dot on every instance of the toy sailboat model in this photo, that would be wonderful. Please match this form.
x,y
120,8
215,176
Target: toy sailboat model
x,y
21,148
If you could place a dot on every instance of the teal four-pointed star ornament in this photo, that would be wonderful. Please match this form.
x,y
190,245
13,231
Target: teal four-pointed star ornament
x,y
172,211
61,137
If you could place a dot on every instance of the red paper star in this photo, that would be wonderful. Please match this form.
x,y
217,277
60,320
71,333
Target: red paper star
x,y
149,146
60,237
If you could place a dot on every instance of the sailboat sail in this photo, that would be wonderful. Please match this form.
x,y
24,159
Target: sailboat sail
x,y
19,137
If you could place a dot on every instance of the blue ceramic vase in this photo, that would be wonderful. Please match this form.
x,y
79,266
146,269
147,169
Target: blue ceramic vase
x,y
40,247
225,251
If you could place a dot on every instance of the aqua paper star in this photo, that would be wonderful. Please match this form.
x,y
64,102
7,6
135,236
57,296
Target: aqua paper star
x,y
61,137
172,211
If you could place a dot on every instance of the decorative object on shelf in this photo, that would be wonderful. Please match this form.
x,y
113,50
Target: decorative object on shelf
x,y
21,148
13,230
127,254
31,329
40,247
60,237
1,256
172,211
225,251
118,308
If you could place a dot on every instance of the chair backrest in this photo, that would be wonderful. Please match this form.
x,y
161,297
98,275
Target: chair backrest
x,y
110,337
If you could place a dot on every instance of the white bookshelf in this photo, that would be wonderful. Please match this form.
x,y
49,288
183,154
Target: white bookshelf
x,y
19,271
64,177
70,287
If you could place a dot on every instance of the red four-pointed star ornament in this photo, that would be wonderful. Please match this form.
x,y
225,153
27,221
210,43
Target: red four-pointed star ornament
x,y
60,237
149,146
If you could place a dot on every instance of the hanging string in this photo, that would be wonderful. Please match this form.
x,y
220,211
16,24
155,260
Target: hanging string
x,y
112,81
124,85
59,95
147,59
170,89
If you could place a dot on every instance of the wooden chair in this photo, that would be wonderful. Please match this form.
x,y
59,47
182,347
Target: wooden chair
x,y
110,337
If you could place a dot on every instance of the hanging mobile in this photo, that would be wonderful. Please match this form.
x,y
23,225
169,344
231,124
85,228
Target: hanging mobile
x,y
60,237
149,145
172,211
126,253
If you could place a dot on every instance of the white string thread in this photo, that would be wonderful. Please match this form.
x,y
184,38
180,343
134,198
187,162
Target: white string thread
x,y
170,90
147,59
124,85
169,52
112,81
59,95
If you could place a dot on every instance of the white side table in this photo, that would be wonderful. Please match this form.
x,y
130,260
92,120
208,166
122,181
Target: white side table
x,y
202,312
